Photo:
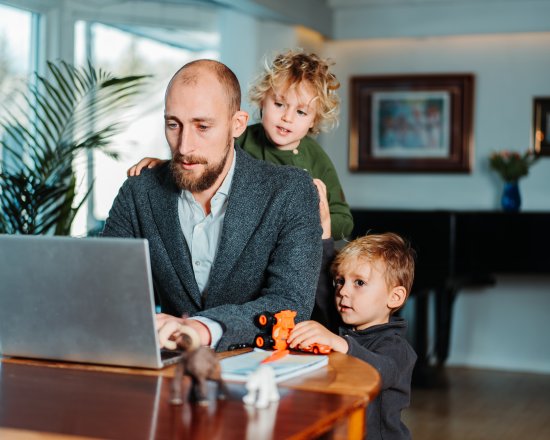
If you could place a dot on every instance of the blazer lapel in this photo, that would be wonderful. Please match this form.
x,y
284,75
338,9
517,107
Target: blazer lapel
x,y
237,228
164,206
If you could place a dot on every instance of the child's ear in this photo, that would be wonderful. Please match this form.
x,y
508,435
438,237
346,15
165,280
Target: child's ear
x,y
397,297
239,121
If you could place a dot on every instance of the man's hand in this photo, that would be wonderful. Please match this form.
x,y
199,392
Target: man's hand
x,y
169,329
324,209
146,162
310,332
201,329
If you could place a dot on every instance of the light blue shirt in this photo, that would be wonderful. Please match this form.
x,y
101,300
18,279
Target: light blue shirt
x,y
202,233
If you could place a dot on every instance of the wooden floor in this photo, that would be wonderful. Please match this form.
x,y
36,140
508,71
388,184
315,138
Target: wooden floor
x,y
482,405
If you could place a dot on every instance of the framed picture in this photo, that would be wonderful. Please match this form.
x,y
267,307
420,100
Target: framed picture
x,y
541,126
411,123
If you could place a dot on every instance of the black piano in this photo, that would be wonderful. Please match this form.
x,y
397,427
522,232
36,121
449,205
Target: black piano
x,y
457,249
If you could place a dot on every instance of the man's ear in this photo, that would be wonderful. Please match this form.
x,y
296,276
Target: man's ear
x,y
239,122
397,297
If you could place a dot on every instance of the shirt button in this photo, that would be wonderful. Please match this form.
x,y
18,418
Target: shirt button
x,y
197,263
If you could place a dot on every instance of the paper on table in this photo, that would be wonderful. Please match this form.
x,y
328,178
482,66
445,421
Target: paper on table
x,y
239,367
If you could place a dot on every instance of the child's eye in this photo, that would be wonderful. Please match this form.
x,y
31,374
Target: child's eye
x,y
278,104
359,283
302,113
338,282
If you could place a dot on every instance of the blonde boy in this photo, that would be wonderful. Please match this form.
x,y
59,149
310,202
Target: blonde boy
x,y
373,276
296,96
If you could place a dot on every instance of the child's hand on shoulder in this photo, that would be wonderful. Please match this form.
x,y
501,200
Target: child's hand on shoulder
x,y
324,210
310,332
146,162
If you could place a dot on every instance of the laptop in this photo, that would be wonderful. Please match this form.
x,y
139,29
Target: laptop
x,y
80,300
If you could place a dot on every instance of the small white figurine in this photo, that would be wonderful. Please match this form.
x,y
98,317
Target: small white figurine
x,y
261,386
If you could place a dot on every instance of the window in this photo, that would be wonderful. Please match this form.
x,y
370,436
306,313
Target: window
x,y
16,46
125,50
18,49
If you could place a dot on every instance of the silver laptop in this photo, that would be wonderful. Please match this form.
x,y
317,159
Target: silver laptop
x,y
78,299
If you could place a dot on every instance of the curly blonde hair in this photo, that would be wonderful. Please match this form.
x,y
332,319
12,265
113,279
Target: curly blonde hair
x,y
391,249
294,67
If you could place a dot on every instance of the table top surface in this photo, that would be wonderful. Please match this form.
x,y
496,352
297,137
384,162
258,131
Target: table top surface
x,y
89,401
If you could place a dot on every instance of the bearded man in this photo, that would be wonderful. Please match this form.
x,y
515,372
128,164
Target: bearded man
x,y
229,236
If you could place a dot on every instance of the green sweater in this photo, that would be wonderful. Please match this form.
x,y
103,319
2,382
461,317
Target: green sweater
x,y
312,158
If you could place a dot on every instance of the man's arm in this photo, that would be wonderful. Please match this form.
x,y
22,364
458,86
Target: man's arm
x,y
119,221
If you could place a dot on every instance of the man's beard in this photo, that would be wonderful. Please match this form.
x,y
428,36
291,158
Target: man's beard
x,y
185,179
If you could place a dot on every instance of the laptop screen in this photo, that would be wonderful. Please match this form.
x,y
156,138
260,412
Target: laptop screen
x,y
77,299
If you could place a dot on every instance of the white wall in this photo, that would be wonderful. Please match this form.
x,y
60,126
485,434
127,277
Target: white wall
x,y
406,18
504,327
234,26
510,69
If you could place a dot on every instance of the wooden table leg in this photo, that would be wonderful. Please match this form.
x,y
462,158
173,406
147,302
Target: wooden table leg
x,y
351,428
356,425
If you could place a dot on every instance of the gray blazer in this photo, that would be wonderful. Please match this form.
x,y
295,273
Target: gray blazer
x,y
269,253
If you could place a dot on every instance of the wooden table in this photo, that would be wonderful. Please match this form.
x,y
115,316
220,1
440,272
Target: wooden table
x,y
46,400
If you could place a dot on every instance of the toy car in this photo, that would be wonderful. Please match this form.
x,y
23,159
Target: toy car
x,y
316,348
275,331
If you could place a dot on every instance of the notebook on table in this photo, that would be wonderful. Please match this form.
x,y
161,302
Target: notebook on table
x,y
78,299
238,368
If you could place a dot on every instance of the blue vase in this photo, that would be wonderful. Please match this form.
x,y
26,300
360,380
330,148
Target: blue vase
x,y
511,198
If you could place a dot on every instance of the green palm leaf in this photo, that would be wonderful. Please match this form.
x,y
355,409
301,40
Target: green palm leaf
x,y
63,113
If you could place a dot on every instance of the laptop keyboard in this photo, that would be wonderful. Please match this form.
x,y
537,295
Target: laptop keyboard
x,y
169,354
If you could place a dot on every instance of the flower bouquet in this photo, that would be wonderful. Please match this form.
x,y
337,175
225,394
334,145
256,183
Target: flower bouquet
x,y
512,165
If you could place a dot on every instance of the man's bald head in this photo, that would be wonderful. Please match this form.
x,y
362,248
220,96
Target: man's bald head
x,y
190,72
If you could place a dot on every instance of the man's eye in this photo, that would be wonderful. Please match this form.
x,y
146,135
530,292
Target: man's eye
x,y
202,127
172,125
359,283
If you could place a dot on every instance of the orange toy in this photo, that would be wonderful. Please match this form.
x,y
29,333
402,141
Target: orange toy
x,y
316,348
275,331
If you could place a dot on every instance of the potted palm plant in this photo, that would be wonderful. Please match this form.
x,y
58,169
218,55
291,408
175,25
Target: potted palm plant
x,y
68,111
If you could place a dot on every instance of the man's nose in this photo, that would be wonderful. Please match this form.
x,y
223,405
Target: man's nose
x,y
185,145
